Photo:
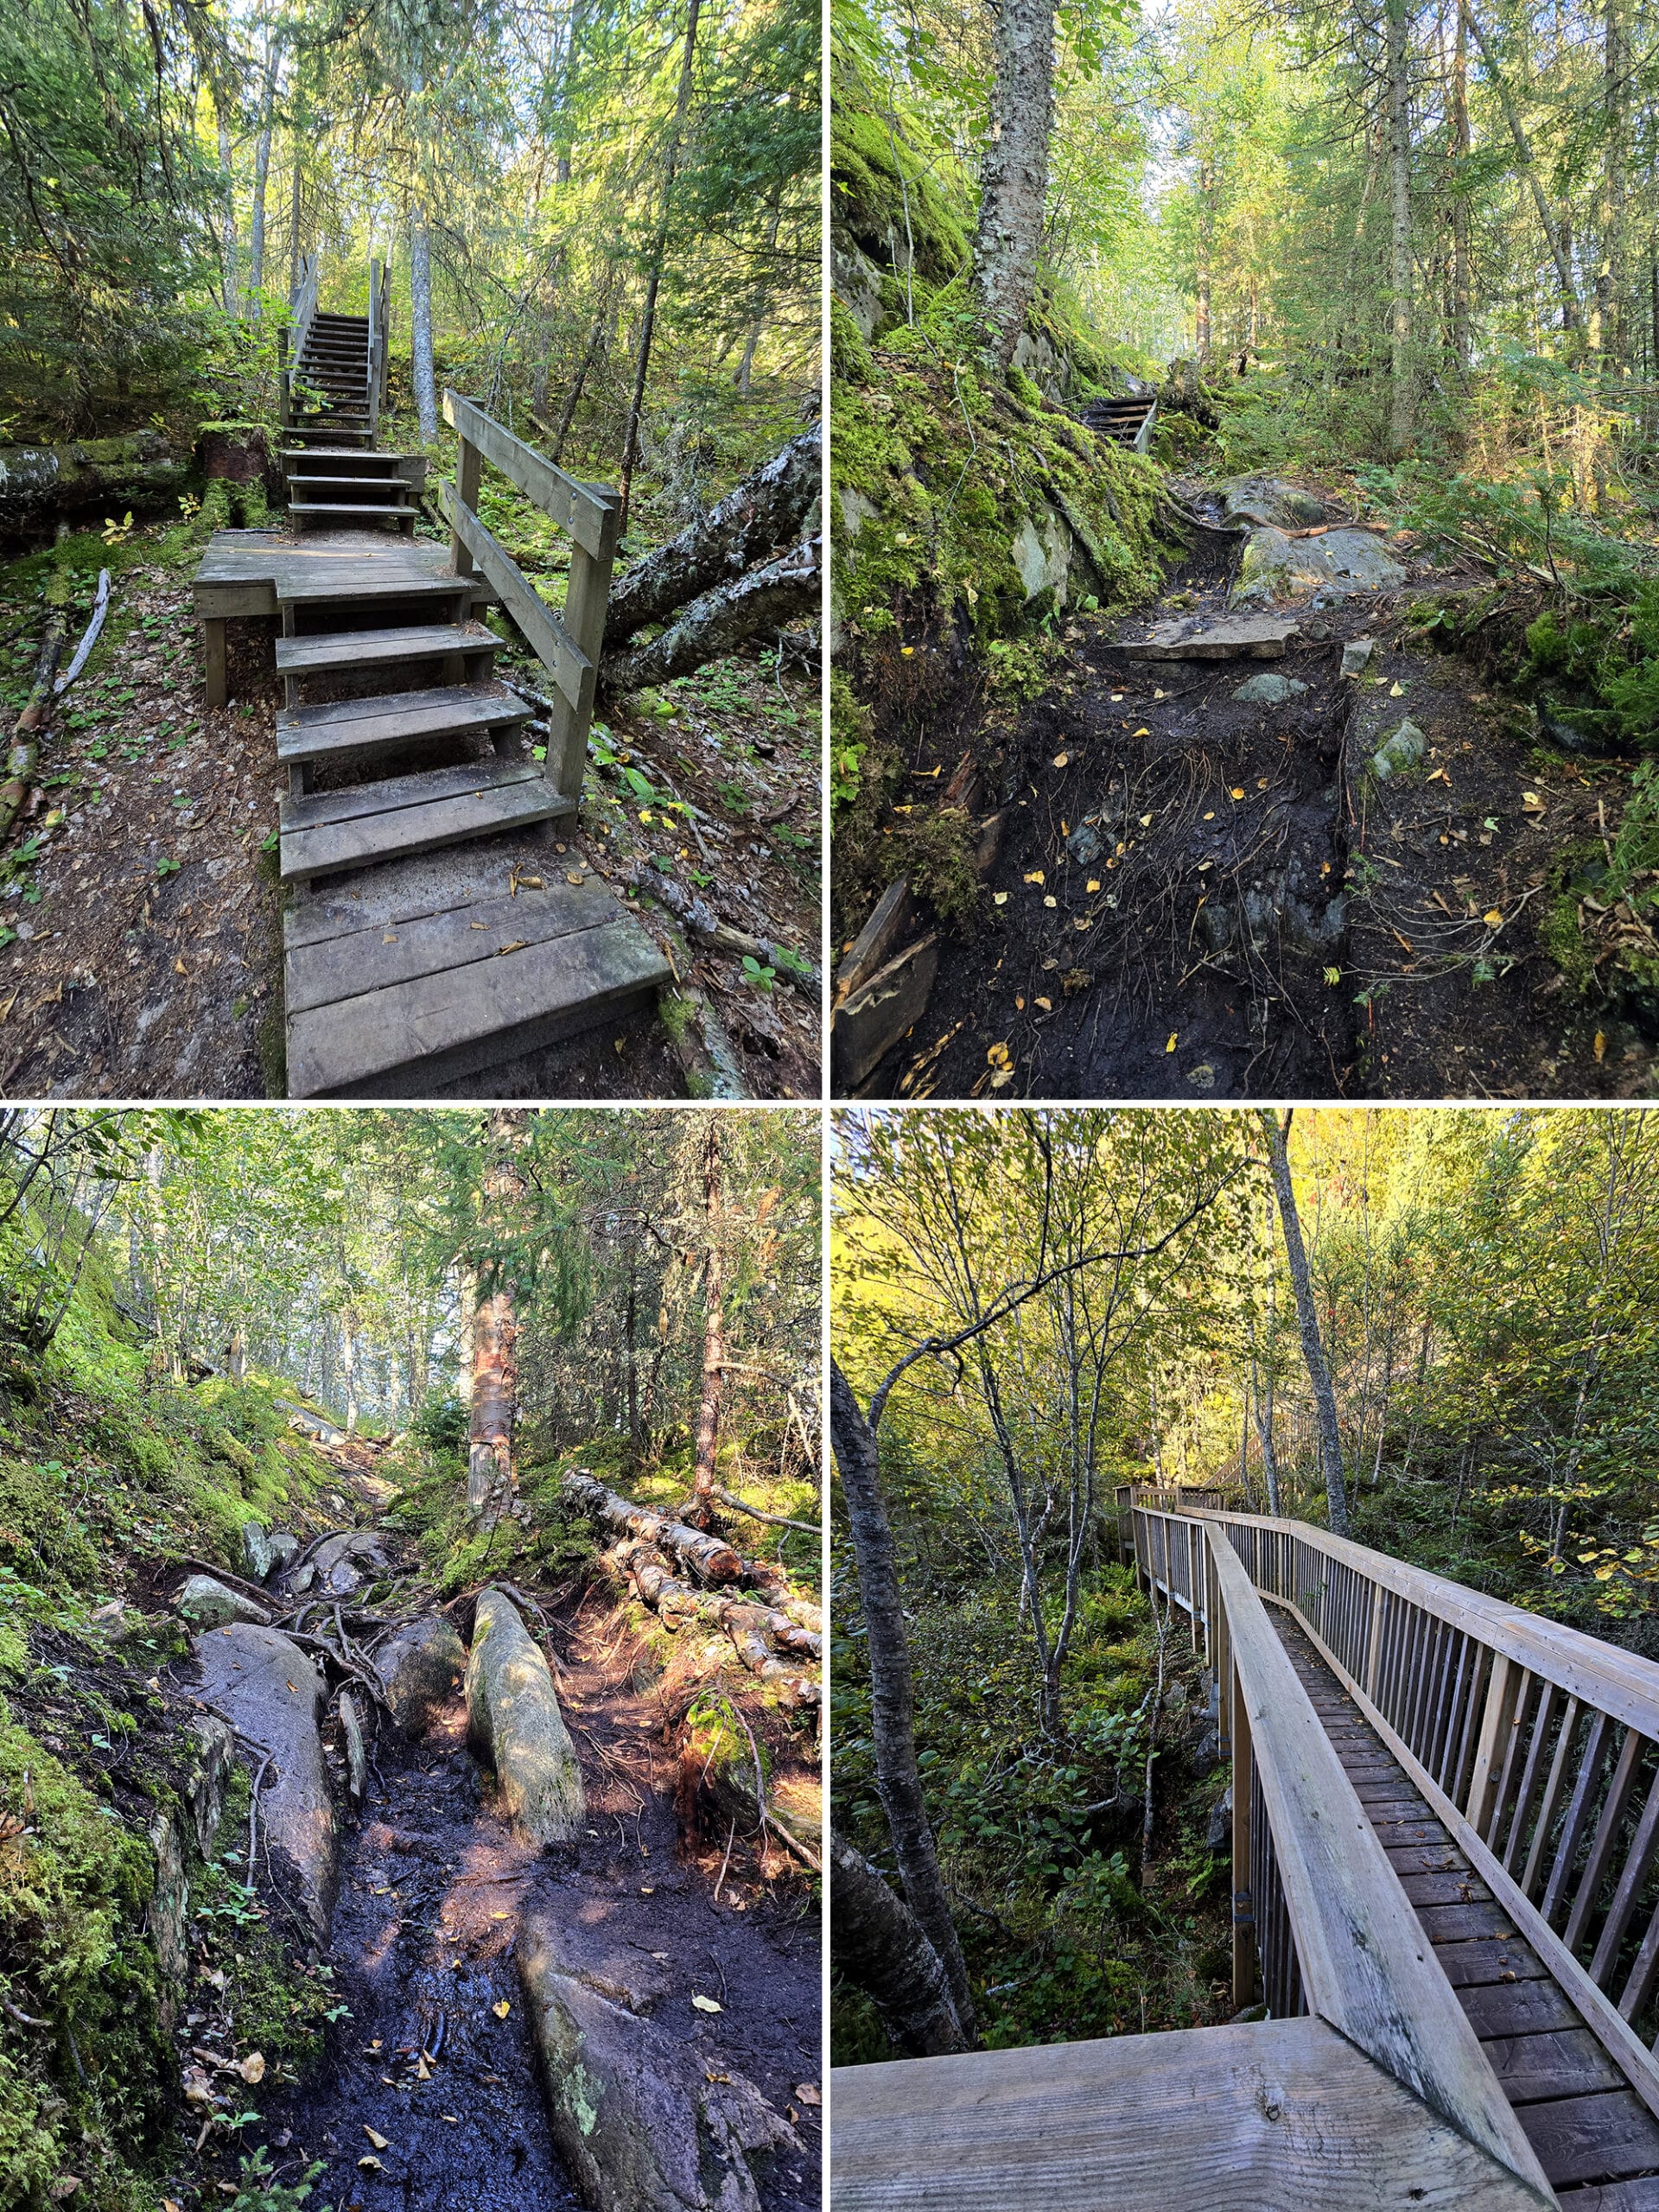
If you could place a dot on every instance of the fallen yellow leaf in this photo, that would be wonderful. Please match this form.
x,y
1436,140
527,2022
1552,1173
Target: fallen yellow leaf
x,y
1143,733
367,2165
1493,918
1601,1045
379,2140
1036,876
1171,1046
1093,883
1051,900
1002,1076
1047,1005
1238,793
501,2010
252,2068
1061,759
1396,691
999,898
707,2004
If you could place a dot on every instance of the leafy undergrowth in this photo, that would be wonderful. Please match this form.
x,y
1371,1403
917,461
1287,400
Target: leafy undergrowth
x,y
1065,1935
107,1467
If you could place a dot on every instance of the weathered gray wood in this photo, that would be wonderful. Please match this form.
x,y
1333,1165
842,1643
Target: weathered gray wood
x,y
369,648
867,1025
353,729
1246,637
356,802
347,965
1579,2138
1568,2062
1600,1855
213,653
469,469
1517,2008
392,1043
571,670
419,824
1280,2116
341,510
1365,1963
579,508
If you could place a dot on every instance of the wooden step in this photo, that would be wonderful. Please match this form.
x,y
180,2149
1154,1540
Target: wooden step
x,y
379,458
349,729
340,511
434,989
304,480
325,832
370,648
332,576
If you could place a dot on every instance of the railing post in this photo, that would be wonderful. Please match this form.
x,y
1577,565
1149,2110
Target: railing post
x,y
469,468
1495,1723
587,601
1244,1950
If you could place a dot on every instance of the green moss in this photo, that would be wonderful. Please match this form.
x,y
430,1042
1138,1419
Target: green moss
x,y
849,356
881,192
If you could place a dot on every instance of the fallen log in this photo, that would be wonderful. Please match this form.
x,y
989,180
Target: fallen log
x,y
103,474
883,1949
25,749
751,1628
700,917
713,1558
782,591
765,512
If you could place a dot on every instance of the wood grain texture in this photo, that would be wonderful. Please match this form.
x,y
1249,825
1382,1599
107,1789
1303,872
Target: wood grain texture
x,y
574,505
420,823
349,728
571,670
310,656
1282,2114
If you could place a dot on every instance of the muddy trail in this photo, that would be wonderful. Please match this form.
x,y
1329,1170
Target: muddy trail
x,y
1196,884
626,2012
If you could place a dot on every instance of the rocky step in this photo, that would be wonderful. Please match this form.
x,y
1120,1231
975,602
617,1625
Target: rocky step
x,y
1196,637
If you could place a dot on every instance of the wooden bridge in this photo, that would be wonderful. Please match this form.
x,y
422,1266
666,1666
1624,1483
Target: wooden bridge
x,y
435,928
1446,1896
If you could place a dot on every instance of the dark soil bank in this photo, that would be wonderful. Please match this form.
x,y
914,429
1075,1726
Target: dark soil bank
x,y
436,2057
1197,896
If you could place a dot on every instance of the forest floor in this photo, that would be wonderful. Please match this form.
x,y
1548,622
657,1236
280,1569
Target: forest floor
x,y
1262,917
140,916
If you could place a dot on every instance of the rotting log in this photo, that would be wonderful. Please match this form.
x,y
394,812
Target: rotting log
x,y
700,919
752,1629
765,512
711,1557
25,746
783,590
142,470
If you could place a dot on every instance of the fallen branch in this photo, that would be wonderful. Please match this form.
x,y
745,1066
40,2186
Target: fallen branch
x,y
26,732
710,627
754,1513
700,917
89,636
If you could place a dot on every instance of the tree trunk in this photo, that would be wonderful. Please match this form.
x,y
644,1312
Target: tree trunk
x,y
1611,281
659,249
1319,1374
595,344
713,1330
1014,175
1557,240
467,1298
1206,230
892,1695
495,1333
1400,413
1460,284
881,1948
768,598
348,1365
139,471
229,278
764,512
758,318
713,1558
756,1630
261,180
420,315
236,1355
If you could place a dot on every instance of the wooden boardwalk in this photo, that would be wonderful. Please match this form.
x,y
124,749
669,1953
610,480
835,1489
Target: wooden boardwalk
x,y
437,925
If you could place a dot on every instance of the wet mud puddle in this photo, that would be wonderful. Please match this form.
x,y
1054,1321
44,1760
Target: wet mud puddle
x,y
436,2057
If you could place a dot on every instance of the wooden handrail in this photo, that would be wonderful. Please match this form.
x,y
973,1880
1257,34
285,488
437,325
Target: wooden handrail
x,y
302,311
1363,1960
1536,1744
569,646
377,366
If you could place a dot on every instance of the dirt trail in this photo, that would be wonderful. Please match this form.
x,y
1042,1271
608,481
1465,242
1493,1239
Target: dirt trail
x,y
1196,896
434,1895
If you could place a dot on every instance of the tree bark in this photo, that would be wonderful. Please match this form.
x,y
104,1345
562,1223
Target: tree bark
x,y
420,315
1014,175
139,471
881,1948
768,598
229,278
25,747
711,1557
1319,1373
1610,283
1555,238
892,1693
595,343
660,250
261,180
1206,229
713,1329
764,512
495,1333
1460,281
1399,215
756,1630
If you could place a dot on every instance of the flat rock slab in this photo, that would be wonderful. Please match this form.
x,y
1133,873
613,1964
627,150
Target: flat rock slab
x,y
1242,637
263,1683
1338,565
642,2122
208,1604
513,1719
421,1665
1269,500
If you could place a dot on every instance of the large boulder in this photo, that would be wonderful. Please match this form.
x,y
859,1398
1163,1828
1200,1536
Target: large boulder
x,y
421,1665
643,2122
1340,564
261,1682
1267,500
341,1564
207,1602
513,1721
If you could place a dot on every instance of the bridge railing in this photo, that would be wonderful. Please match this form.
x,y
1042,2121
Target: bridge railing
x,y
1537,1746
567,645
1317,1910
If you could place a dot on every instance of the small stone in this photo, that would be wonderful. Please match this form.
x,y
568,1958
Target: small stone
x,y
1356,655
1400,753
1269,690
1084,844
255,1548
208,1604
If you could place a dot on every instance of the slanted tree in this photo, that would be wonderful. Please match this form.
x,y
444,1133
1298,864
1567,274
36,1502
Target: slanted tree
x,y
1313,1356
495,1327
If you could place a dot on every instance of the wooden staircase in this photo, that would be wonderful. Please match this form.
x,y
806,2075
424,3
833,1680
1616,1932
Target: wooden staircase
x,y
1127,421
